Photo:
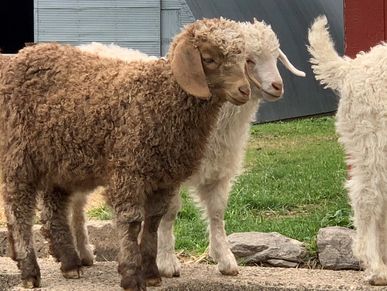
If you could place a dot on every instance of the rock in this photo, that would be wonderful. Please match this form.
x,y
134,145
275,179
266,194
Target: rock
x,y
103,236
334,246
41,245
282,263
3,242
267,248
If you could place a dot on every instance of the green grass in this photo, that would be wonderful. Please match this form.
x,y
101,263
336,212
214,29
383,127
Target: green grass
x,y
101,213
292,184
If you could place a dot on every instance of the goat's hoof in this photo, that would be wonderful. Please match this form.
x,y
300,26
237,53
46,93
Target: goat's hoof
x,y
229,267
87,262
31,283
73,274
229,272
153,282
227,264
168,265
87,255
376,280
133,282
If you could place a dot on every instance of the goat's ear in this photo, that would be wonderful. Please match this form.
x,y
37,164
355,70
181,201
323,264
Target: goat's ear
x,y
188,70
250,75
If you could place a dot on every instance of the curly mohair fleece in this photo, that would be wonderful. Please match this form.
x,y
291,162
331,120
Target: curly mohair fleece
x,y
71,121
223,158
361,123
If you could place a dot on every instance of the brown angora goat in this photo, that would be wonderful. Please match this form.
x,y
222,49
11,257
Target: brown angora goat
x,y
71,121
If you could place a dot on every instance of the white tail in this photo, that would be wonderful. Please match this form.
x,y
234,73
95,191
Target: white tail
x,y
327,65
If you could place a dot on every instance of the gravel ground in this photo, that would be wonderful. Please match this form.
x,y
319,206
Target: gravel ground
x,y
104,277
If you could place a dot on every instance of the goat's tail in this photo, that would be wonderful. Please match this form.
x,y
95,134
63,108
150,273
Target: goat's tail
x,y
327,65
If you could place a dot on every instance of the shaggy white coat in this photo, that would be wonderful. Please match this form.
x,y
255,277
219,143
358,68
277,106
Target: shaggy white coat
x,y
361,123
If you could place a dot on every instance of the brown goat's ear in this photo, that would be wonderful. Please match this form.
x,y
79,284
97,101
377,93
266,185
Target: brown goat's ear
x,y
188,70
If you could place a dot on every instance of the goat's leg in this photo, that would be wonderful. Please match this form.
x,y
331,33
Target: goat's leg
x,y
214,198
127,201
78,225
383,233
20,203
56,230
156,206
167,262
367,203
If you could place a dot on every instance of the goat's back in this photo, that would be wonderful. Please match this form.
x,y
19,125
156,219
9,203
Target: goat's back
x,y
77,115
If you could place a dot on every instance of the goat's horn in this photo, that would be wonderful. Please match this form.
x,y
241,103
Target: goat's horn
x,y
284,59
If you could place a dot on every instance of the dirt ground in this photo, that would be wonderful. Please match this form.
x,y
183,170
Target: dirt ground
x,y
104,277
94,200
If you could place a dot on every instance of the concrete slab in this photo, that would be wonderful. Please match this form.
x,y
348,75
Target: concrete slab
x,y
104,277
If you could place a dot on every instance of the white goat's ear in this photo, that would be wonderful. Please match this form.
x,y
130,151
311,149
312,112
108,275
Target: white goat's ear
x,y
250,75
285,61
188,70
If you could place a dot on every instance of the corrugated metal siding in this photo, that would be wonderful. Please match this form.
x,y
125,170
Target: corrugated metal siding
x,y
174,15
170,23
134,24
290,20
58,4
170,4
186,13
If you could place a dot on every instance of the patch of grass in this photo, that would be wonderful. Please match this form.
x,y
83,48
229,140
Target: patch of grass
x,y
102,212
292,184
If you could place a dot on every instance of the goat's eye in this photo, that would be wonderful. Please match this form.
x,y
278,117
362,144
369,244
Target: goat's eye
x,y
208,61
250,62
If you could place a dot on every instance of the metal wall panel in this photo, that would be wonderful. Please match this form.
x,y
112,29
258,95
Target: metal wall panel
x,y
58,4
170,26
133,23
186,15
290,19
149,25
174,15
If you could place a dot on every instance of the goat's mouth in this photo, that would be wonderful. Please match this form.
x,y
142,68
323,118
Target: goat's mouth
x,y
236,101
265,94
237,98
270,96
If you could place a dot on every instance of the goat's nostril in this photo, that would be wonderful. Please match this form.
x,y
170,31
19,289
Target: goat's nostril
x,y
277,86
245,90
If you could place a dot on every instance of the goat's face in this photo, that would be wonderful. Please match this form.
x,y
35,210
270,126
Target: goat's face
x,y
208,60
262,51
264,75
225,75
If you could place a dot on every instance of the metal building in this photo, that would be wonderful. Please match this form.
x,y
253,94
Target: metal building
x,y
148,25
290,19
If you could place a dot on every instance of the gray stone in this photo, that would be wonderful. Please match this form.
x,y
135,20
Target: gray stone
x,y
282,263
3,242
41,245
334,246
103,235
267,248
